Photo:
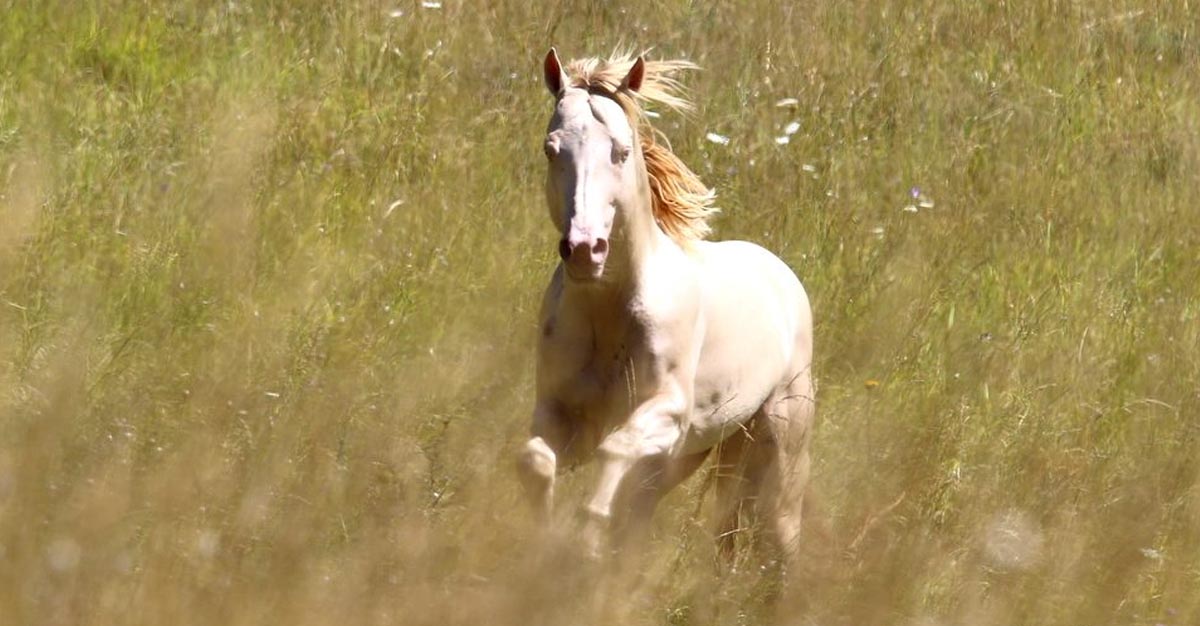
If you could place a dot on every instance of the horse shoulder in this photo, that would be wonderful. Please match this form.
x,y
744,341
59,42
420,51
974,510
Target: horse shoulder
x,y
669,320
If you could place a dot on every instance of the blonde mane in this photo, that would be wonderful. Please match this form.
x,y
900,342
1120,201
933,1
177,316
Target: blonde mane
x,y
680,201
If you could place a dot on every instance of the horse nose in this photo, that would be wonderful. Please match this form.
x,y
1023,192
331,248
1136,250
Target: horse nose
x,y
584,250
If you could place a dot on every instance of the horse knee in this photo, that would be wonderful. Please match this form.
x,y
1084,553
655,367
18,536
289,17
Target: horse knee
x,y
536,464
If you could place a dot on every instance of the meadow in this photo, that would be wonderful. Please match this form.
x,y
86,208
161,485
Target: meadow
x,y
269,275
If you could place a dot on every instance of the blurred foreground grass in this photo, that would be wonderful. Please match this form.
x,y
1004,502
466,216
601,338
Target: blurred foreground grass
x,y
269,270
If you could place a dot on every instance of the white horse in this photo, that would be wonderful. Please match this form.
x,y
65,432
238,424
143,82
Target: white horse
x,y
655,346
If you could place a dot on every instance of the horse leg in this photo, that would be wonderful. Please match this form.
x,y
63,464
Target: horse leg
x,y
539,460
536,466
731,489
645,487
647,437
784,443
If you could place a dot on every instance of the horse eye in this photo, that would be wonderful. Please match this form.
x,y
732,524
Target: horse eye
x,y
620,153
551,149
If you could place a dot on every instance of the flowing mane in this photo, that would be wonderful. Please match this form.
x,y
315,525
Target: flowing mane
x,y
681,202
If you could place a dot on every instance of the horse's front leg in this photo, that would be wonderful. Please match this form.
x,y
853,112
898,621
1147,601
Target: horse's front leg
x,y
536,466
652,432
539,460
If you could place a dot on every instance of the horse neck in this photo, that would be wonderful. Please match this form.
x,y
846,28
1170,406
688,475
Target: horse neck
x,y
640,233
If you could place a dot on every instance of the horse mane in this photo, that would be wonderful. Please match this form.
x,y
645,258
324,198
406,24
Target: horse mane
x,y
680,201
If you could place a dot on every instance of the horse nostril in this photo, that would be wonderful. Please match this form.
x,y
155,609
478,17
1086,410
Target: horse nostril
x,y
564,249
601,247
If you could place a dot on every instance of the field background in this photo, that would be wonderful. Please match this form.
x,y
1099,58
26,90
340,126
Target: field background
x,y
269,275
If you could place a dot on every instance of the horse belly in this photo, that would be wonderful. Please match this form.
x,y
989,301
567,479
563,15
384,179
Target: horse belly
x,y
730,389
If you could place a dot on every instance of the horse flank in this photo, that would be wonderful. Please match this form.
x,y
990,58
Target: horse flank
x,y
681,202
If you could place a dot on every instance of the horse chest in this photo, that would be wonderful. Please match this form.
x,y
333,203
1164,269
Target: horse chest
x,y
596,376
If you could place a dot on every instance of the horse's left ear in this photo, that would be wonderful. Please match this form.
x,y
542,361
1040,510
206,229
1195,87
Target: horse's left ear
x,y
633,80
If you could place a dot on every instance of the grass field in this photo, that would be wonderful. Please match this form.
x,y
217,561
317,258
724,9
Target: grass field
x,y
269,274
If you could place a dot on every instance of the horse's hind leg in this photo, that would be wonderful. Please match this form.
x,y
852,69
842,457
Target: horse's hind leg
x,y
733,489
783,439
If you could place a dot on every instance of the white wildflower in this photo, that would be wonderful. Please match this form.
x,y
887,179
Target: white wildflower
x,y
717,139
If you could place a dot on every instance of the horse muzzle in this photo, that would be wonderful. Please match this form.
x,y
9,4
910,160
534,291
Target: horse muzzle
x,y
583,257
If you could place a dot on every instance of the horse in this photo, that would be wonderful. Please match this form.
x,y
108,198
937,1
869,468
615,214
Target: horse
x,y
657,347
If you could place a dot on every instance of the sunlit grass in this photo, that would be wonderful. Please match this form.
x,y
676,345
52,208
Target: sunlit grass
x,y
269,274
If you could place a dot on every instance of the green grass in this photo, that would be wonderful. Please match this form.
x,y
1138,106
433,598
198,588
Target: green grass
x,y
269,274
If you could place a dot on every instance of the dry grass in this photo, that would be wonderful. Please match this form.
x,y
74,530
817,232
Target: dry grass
x,y
268,276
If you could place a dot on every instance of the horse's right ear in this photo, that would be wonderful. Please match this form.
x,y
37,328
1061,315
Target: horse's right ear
x,y
556,78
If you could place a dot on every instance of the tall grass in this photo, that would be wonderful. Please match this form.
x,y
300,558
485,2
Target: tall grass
x,y
269,273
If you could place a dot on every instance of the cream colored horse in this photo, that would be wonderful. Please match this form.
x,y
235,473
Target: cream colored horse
x,y
657,347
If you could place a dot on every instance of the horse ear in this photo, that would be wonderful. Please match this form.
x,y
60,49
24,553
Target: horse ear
x,y
633,80
553,72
